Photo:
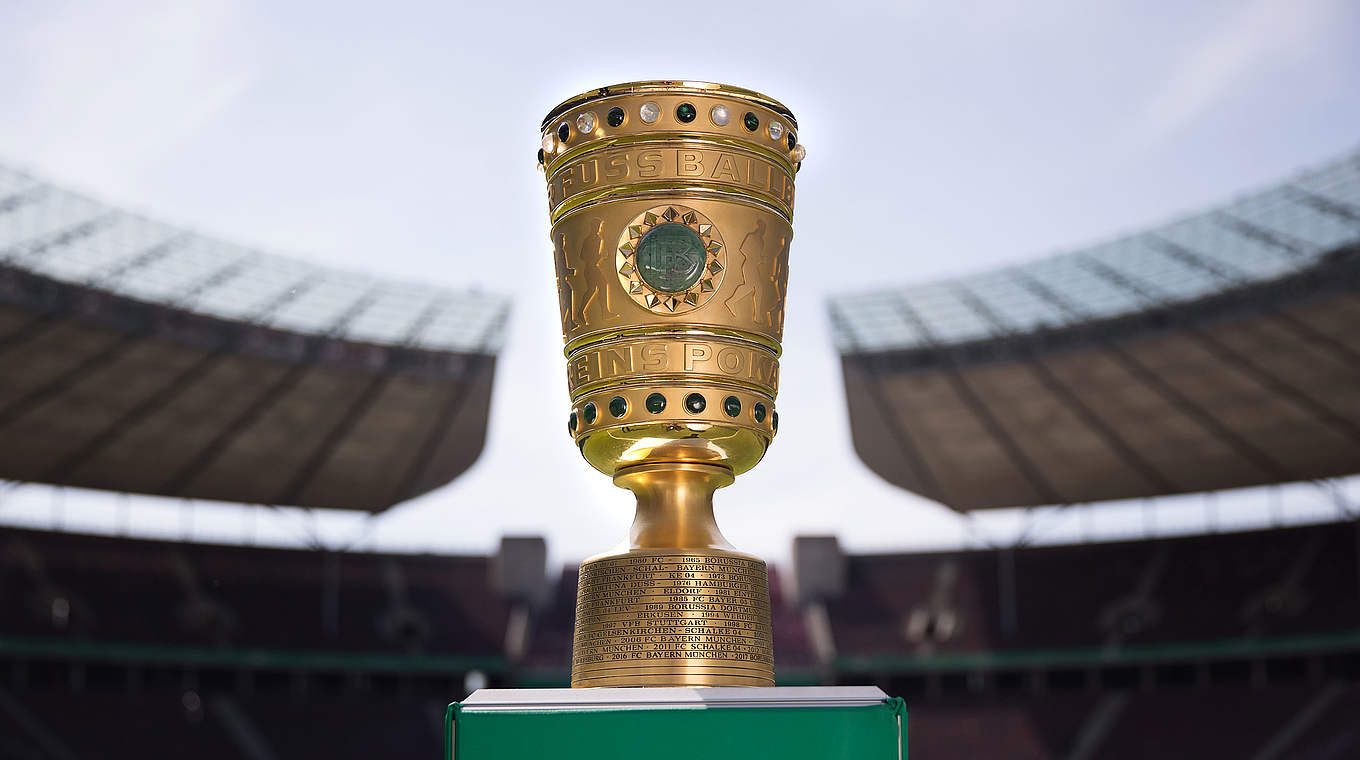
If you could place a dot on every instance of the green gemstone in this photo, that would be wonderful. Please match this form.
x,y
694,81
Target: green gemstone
x,y
695,402
591,413
563,132
571,422
732,405
671,257
751,121
540,155
774,421
685,112
618,406
614,117
656,403
759,412
792,141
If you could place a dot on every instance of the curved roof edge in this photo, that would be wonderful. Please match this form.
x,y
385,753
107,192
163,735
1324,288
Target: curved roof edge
x,y
1215,352
1282,231
146,359
70,238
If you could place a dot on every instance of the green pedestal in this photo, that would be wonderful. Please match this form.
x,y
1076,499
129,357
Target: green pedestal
x,y
788,723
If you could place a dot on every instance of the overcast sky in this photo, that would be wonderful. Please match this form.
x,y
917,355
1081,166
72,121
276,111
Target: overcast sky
x,y
398,139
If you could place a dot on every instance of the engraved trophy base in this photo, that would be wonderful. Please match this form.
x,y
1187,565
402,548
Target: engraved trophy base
x,y
677,606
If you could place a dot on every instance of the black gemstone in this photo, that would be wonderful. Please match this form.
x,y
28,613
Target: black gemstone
x,y
774,421
695,403
590,413
540,155
614,117
732,405
751,121
656,403
792,141
685,112
759,412
563,132
618,406
571,422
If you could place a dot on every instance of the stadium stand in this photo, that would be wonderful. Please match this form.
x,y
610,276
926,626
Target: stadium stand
x,y
1122,649
181,723
145,358
203,595
1217,722
1265,583
1223,645
1213,352
115,647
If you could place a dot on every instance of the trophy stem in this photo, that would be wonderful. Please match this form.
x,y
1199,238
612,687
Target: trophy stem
x,y
675,505
679,606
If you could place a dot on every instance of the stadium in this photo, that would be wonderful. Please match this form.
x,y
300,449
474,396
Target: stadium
x,y
1214,354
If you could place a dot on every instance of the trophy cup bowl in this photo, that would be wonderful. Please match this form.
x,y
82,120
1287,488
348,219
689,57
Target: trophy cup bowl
x,y
672,206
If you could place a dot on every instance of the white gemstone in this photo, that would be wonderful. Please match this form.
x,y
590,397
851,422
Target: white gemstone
x,y
649,112
799,153
585,123
548,142
776,130
721,115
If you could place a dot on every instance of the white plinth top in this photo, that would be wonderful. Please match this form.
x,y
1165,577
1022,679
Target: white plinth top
x,y
486,700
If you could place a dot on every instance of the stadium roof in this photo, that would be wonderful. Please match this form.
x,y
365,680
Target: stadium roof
x,y
1216,351
142,357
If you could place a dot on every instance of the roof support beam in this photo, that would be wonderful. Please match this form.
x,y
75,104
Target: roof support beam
x,y
31,248
1270,382
181,479
1233,278
157,400
147,256
897,429
1256,232
29,330
66,380
408,485
323,451
11,202
185,475
1324,204
1122,448
974,402
1170,393
1227,355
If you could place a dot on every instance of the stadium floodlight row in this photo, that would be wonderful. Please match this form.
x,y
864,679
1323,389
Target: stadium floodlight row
x,y
1213,352
145,358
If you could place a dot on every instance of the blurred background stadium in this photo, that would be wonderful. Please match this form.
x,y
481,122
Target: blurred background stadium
x,y
1098,504
1214,352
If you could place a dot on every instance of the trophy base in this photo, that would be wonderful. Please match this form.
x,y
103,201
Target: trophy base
x,y
673,617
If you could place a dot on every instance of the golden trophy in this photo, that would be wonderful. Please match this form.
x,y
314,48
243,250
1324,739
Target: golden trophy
x,y
672,207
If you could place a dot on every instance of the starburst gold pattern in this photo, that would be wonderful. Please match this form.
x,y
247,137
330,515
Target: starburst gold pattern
x,y
710,276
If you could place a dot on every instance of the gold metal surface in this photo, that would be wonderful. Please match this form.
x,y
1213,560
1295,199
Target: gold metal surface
x,y
672,209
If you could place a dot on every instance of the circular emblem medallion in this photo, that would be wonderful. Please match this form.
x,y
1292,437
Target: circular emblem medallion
x,y
671,259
